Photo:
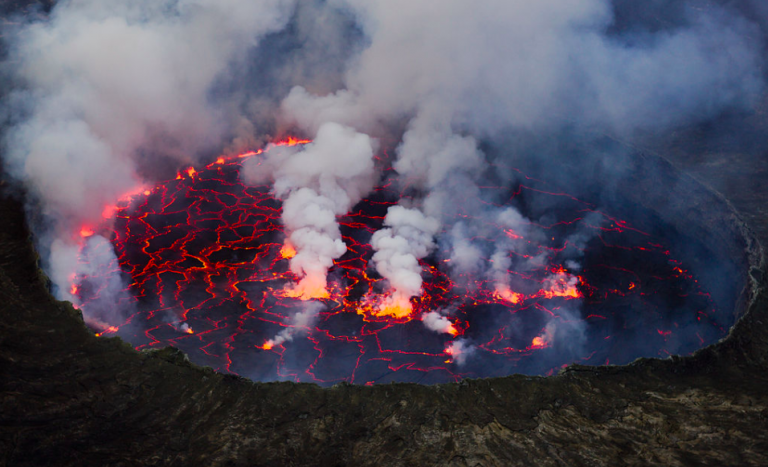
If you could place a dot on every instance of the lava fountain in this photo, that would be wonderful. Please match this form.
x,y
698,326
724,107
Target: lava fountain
x,y
207,263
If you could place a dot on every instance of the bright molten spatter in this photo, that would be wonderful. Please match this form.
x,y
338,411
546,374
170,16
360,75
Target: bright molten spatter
x,y
207,263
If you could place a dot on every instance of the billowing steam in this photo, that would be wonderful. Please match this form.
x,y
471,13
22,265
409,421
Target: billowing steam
x,y
110,96
300,323
435,321
111,90
399,247
460,350
317,183
464,70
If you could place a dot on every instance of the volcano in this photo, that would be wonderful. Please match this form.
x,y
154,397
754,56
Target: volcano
x,y
207,262
501,209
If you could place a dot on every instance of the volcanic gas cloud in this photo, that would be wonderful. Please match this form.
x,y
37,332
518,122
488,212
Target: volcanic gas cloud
x,y
397,235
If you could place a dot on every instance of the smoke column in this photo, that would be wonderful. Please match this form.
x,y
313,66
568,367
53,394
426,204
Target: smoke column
x,y
317,183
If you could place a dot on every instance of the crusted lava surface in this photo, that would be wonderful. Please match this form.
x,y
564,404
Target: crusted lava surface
x,y
206,261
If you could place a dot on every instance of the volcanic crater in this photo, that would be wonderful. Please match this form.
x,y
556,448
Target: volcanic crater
x,y
208,266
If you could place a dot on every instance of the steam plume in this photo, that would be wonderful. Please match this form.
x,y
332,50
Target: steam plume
x,y
107,87
317,183
299,323
399,247
540,66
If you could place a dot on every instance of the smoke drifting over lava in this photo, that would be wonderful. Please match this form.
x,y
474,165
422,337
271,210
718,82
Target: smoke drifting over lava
x,y
406,111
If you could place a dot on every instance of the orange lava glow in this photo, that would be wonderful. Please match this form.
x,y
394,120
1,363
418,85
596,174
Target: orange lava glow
x,y
291,141
287,251
561,285
562,290
109,330
86,232
108,212
538,342
570,292
309,288
267,345
504,293
395,306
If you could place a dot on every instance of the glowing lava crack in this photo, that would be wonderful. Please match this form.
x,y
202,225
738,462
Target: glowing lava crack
x,y
207,262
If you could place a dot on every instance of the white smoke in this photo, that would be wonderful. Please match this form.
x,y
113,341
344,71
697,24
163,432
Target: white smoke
x,y
110,78
518,234
460,350
96,260
573,265
299,323
407,238
434,321
466,257
318,183
106,84
467,70
537,64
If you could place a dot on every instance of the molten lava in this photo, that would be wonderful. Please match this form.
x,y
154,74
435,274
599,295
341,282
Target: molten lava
x,y
538,342
503,293
394,306
308,288
206,252
287,251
